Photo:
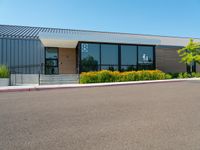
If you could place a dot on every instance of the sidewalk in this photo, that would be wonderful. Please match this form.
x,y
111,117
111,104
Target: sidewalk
x,y
63,86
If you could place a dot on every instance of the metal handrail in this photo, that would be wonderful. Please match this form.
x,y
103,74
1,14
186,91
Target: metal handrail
x,y
26,69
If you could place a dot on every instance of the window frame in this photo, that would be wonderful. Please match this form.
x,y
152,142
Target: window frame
x,y
153,66
119,53
80,55
56,59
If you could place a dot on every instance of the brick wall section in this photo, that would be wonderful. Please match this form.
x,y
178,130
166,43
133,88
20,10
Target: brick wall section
x,y
167,59
67,61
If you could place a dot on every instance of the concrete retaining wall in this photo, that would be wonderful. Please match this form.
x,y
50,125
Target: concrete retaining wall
x,y
24,79
36,79
4,81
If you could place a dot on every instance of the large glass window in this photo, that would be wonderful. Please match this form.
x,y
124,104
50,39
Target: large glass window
x,y
109,57
120,57
90,57
128,58
51,61
145,57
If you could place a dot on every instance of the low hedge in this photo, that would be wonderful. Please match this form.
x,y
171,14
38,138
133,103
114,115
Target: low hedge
x,y
184,75
115,76
4,72
188,75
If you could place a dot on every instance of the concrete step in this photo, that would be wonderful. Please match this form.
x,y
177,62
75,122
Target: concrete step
x,y
59,79
55,83
60,75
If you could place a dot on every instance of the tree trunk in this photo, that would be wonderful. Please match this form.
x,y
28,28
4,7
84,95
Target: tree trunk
x,y
191,68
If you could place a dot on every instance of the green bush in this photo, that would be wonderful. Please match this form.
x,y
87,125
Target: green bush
x,y
174,75
4,72
105,76
115,76
168,76
89,78
188,75
185,75
196,75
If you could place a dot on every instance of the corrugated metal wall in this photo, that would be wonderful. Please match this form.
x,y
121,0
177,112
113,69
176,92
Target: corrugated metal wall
x,y
22,55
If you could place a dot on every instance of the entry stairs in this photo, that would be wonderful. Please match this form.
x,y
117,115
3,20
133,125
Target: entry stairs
x,y
59,79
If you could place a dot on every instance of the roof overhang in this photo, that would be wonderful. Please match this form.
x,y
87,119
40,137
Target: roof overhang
x,y
59,43
71,40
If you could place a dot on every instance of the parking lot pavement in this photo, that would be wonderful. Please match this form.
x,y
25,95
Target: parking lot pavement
x,y
162,116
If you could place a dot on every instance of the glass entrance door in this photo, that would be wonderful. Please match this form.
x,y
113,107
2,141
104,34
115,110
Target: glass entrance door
x,y
51,61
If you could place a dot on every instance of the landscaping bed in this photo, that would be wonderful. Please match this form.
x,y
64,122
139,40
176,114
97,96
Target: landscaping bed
x,y
115,76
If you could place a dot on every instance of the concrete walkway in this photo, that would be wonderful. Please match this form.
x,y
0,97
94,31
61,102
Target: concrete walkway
x,y
62,86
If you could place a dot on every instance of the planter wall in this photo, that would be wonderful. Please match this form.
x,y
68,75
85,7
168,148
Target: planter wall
x,y
4,81
24,79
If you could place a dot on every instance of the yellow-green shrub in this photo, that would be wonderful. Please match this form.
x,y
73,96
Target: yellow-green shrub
x,y
4,72
115,76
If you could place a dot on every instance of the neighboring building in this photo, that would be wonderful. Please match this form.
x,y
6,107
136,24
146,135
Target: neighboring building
x,y
39,50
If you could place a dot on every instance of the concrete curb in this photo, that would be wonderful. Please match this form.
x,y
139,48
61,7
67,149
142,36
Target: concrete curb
x,y
66,86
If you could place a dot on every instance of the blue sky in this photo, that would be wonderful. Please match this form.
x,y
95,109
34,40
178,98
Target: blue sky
x,y
159,17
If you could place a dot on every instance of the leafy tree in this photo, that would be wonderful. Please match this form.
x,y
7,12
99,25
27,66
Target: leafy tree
x,y
190,54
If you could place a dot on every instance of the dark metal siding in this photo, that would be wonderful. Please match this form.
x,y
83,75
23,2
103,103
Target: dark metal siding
x,y
22,55
167,59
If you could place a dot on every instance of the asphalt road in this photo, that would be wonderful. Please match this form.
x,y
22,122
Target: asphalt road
x,y
164,116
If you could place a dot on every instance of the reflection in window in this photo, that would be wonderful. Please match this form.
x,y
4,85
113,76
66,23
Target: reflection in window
x,y
145,57
109,57
51,61
51,70
109,67
51,53
90,58
128,58
96,57
129,68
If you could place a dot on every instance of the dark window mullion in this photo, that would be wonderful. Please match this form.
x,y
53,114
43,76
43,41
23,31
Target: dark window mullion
x,y
79,58
154,57
137,58
99,56
119,57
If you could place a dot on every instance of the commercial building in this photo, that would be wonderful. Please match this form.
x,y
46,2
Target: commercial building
x,y
52,51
